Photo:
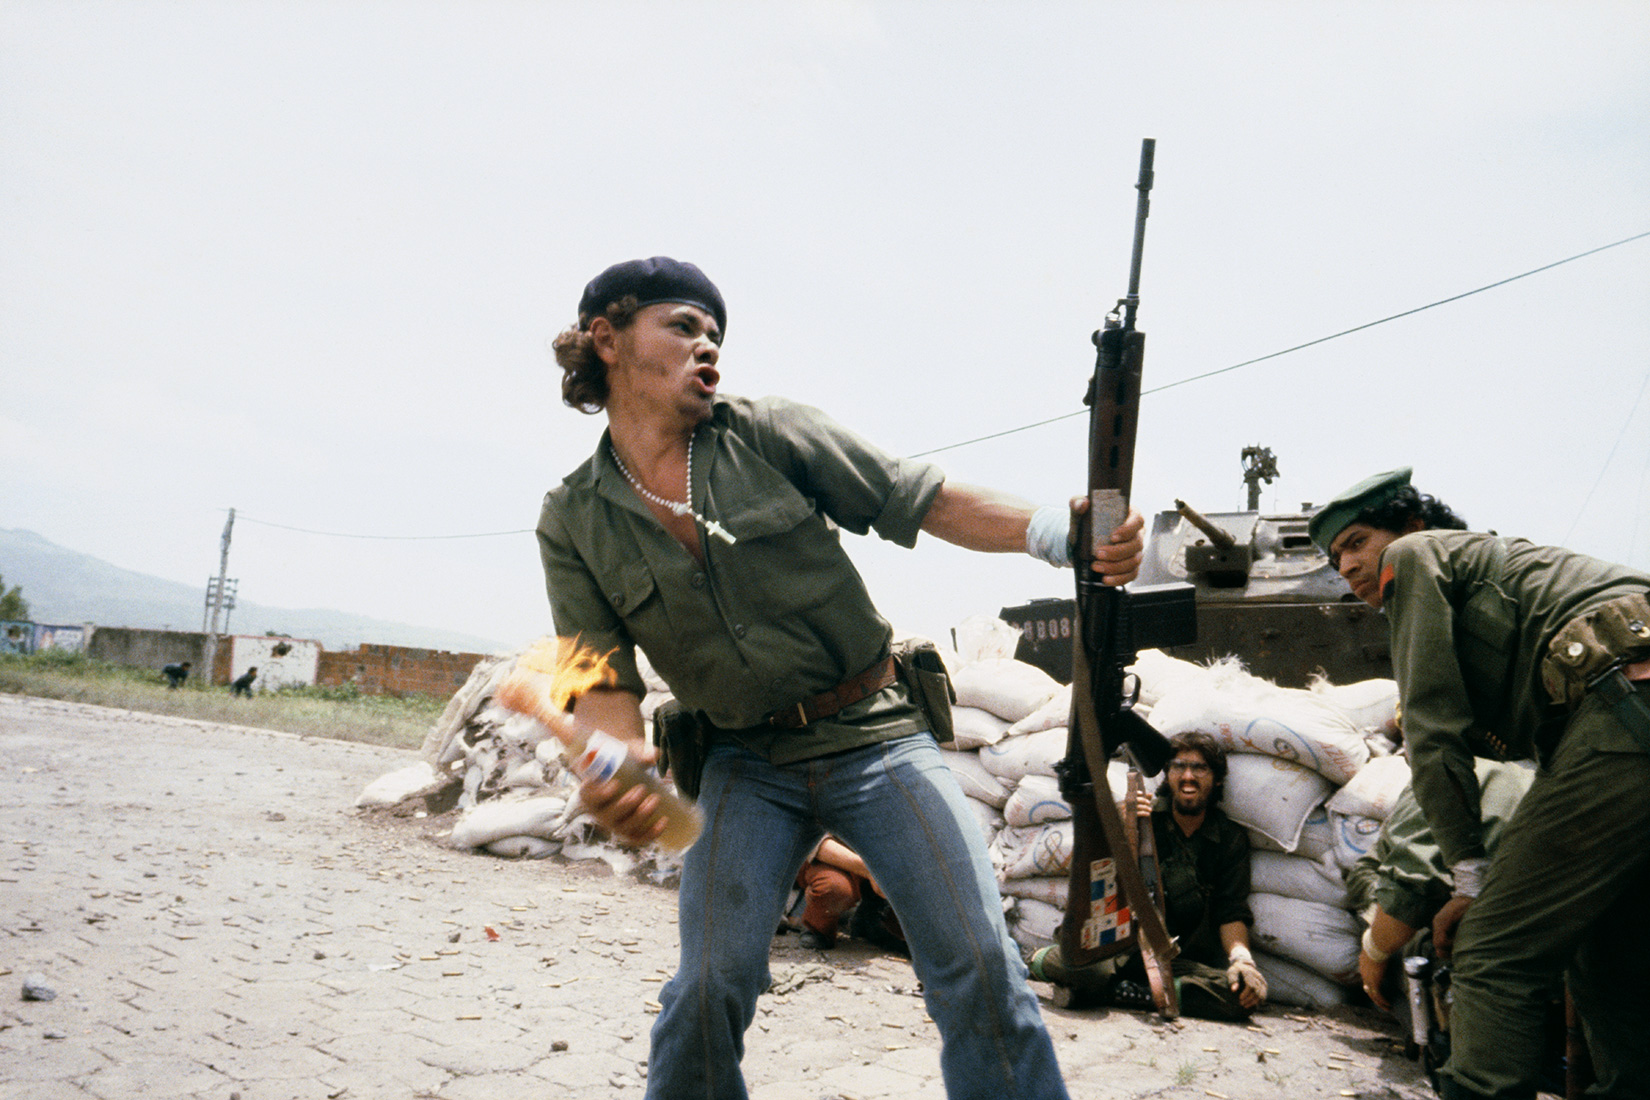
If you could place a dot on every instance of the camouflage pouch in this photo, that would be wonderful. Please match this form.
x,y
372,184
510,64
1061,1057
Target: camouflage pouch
x,y
1590,643
923,672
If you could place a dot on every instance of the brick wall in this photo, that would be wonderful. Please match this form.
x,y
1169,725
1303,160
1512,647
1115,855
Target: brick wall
x,y
397,670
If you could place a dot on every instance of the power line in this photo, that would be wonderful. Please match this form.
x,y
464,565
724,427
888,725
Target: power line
x,y
394,538
1609,458
1308,344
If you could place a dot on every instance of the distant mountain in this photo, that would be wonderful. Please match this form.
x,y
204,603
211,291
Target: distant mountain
x,y
64,587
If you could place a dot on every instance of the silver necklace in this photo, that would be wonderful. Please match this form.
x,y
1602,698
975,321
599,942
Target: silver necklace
x,y
676,507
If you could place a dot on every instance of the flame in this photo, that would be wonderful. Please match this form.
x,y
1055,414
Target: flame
x,y
571,669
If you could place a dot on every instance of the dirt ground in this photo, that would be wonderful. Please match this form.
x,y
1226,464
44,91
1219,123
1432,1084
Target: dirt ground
x,y
214,919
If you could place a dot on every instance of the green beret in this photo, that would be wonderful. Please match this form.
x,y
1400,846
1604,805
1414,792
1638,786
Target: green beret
x,y
1338,514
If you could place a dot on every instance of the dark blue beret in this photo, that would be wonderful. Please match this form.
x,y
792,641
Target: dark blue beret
x,y
659,279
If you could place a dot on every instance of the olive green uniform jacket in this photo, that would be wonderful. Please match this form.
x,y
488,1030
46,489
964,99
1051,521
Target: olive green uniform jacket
x,y
1470,617
776,617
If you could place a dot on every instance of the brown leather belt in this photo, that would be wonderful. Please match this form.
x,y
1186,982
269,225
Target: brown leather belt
x,y
845,694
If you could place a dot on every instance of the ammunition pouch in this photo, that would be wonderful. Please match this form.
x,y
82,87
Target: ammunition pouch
x,y
1590,644
683,739
922,670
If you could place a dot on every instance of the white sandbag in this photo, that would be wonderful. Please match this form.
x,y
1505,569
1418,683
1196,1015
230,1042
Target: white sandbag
x,y
403,783
495,820
1322,938
1249,715
524,847
984,638
974,779
1289,983
975,728
1374,790
1008,688
1051,890
1055,712
1034,924
1014,758
1038,850
1036,801
1370,705
1317,840
1297,877
1160,674
991,821
1272,796
1354,837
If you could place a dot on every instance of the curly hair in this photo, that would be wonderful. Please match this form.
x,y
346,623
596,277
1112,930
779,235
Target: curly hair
x,y
584,375
1404,505
1213,753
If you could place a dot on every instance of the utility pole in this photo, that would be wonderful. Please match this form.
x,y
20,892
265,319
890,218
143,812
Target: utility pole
x,y
217,590
1259,464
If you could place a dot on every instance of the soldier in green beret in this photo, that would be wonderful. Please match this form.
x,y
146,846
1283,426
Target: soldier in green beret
x,y
1506,650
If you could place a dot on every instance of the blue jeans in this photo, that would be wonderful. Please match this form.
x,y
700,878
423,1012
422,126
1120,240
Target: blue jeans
x,y
897,805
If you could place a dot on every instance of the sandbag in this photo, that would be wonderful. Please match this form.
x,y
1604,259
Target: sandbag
x,y
1322,938
1055,712
1160,674
1008,688
524,847
1249,715
1374,790
1036,801
1317,840
1051,890
1014,758
1034,924
984,638
1272,796
495,820
1370,705
1354,837
409,782
1032,851
974,728
1297,877
1289,983
974,779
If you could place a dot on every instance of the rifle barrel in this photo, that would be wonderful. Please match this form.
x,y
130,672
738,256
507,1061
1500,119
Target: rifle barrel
x,y
1142,208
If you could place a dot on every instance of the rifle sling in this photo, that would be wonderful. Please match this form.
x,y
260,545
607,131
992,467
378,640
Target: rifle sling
x,y
1129,878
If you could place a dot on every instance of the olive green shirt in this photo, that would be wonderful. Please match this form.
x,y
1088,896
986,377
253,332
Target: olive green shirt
x,y
776,617
1205,880
1471,616
1404,872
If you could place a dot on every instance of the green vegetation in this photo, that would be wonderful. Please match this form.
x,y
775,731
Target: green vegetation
x,y
338,712
12,603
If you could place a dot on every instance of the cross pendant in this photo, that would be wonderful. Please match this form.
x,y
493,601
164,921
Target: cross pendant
x,y
720,532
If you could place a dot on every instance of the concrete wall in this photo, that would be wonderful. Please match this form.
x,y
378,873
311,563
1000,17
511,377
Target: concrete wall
x,y
134,648
281,662
70,638
398,670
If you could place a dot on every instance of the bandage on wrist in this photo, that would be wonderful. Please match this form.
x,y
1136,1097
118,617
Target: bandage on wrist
x,y
1371,950
1240,953
1048,536
1467,876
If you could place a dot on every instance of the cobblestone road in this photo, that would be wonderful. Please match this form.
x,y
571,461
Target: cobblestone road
x,y
216,921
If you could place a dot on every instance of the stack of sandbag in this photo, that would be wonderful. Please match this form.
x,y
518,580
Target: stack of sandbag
x,y
1310,776
516,797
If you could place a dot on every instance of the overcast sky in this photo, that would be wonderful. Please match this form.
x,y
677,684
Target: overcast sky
x,y
305,260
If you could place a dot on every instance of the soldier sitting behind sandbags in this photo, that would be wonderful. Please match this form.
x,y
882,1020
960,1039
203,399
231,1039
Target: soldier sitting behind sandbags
x,y
1203,860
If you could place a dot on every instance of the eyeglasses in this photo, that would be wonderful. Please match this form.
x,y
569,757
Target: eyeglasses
x,y
1189,768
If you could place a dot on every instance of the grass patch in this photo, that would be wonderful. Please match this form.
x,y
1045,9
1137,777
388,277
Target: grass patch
x,y
338,712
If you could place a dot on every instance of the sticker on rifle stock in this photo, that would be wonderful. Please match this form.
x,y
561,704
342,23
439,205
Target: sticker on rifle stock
x,y
1109,918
